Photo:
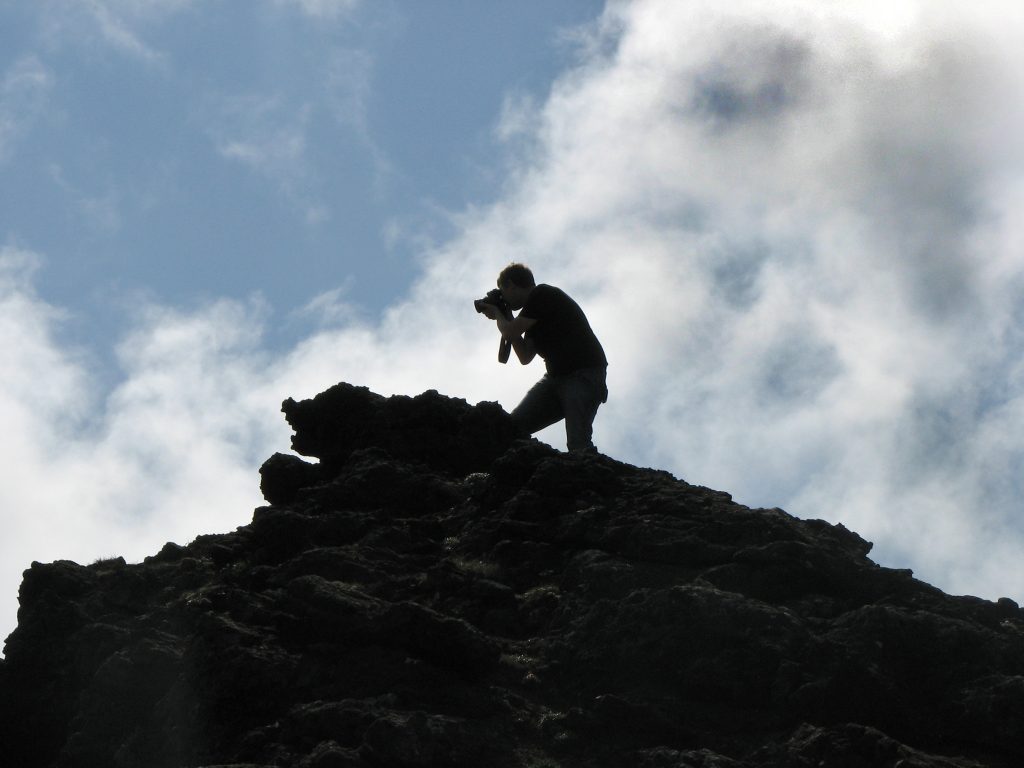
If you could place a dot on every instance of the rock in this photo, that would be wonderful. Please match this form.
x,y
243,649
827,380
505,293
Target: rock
x,y
446,434
438,590
282,476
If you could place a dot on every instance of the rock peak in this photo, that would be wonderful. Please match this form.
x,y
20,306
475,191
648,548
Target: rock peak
x,y
436,590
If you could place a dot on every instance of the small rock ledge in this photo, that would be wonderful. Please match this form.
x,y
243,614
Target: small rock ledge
x,y
438,591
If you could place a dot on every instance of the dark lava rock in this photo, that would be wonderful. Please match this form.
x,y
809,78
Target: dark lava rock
x,y
443,433
438,591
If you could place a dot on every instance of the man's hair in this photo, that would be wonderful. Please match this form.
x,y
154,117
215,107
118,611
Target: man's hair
x,y
517,273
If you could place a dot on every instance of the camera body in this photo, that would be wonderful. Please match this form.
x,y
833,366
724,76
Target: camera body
x,y
495,299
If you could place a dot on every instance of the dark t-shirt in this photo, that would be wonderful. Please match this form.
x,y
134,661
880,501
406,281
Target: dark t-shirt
x,y
561,335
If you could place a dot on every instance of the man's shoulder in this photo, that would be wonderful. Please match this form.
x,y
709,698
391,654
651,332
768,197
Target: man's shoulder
x,y
547,293
540,298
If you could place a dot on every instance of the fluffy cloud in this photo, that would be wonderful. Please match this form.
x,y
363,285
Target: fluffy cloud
x,y
794,231
164,456
798,241
172,451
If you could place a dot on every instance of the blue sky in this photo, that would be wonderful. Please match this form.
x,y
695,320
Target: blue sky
x,y
794,225
185,151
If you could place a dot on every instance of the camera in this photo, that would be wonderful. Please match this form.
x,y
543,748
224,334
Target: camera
x,y
495,299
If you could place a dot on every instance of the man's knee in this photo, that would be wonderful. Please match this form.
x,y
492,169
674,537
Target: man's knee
x,y
539,408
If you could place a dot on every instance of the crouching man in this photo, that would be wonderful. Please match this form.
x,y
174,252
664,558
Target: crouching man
x,y
552,325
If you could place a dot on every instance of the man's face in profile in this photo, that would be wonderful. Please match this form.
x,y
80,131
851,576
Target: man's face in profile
x,y
513,294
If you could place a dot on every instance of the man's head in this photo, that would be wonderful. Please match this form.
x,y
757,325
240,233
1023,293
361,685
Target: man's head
x,y
515,283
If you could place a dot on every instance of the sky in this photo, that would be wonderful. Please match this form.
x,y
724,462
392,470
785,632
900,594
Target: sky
x,y
792,223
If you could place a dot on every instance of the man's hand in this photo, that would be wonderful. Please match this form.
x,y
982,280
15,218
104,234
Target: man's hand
x,y
515,327
513,330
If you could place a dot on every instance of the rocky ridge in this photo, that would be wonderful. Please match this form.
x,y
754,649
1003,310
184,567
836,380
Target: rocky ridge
x,y
437,591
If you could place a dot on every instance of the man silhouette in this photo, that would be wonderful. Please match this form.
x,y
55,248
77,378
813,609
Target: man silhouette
x,y
552,325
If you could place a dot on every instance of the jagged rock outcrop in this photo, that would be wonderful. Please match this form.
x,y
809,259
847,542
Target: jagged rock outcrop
x,y
437,591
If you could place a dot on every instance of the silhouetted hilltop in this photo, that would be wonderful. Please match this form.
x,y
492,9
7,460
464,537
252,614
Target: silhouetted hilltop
x,y
437,592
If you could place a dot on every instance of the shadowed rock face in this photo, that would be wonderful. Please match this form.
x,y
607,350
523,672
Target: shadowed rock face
x,y
437,592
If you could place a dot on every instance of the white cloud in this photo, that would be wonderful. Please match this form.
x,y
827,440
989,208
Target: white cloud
x,y
265,133
172,451
116,31
166,455
323,9
23,90
116,24
268,135
793,229
331,309
808,237
125,25
101,213
347,93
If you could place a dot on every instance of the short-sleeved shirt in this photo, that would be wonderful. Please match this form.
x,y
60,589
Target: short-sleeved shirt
x,y
562,335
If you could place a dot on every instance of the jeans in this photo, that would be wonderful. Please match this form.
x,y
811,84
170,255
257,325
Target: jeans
x,y
574,397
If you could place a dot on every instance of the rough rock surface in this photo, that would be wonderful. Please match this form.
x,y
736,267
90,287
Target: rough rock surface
x,y
437,592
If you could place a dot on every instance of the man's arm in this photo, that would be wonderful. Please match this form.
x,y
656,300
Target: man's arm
x,y
514,330
516,327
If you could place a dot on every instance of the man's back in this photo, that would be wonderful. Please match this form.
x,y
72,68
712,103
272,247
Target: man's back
x,y
562,334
